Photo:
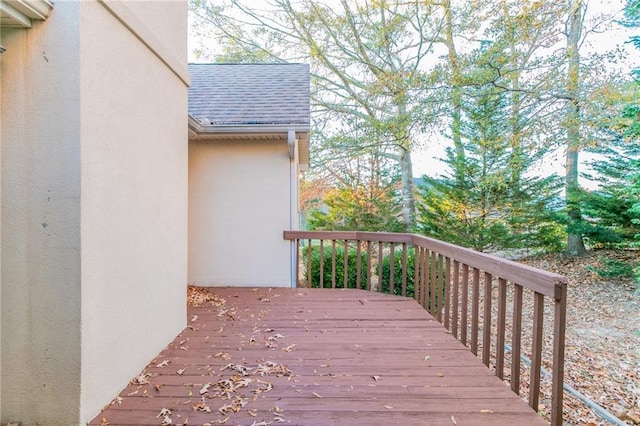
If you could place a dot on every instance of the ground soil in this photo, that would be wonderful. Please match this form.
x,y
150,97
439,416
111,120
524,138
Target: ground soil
x,y
602,357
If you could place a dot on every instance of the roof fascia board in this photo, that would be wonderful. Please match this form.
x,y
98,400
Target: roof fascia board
x,y
253,128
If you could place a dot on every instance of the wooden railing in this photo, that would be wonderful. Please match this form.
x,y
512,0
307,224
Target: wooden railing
x,y
458,286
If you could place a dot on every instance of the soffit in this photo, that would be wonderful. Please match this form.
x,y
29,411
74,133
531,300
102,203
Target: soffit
x,y
20,13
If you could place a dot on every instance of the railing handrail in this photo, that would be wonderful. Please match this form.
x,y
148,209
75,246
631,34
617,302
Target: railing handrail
x,y
538,280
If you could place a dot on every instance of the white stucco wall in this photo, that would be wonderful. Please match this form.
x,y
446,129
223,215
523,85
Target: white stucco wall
x,y
239,204
41,221
94,205
134,197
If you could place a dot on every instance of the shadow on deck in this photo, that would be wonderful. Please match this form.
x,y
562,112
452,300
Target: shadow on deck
x,y
315,357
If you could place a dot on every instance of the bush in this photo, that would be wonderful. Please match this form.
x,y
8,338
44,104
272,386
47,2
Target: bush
x,y
352,257
397,272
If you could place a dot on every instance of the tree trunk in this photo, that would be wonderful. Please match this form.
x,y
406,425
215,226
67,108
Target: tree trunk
x,y
456,93
408,199
575,242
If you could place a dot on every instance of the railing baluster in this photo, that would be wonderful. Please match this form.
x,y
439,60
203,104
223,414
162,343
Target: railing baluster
x,y
309,268
433,269
465,304
486,333
425,279
321,264
369,265
333,263
380,264
404,269
345,266
475,302
447,293
536,350
500,339
392,267
297,274
454,301
516,338
440,287
417,271
358,264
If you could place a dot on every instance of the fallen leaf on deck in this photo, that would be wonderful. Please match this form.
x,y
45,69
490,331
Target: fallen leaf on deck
x,y
289,348
252,413
141,379
201,406
262,423
163,363
165,413
194,318
426,358
316,395
439,374
223,355
376,378
158,386
388,407
205,388
181,371
103,422
486,411
453,420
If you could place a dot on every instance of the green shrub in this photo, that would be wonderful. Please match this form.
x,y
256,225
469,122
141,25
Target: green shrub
x,y
397,272
352,257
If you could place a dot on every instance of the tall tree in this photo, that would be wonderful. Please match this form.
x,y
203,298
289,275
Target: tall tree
x,y
575,242
477,205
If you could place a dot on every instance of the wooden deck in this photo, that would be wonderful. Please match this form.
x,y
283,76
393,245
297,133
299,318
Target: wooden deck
x,y
315,357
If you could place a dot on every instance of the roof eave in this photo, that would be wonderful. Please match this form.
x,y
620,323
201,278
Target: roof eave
x,y
198,130
20,13
201,129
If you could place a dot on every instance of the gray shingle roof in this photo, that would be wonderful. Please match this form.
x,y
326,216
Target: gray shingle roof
x,y
246,94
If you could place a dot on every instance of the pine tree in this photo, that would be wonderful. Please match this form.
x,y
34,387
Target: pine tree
x,y
478,204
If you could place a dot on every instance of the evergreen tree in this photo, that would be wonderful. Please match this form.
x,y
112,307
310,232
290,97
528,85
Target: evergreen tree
x,y
613,210
478,204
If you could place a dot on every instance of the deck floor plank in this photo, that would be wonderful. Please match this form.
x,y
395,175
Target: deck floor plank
x,y
315,357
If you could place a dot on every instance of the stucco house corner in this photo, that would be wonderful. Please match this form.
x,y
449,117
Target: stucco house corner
x,y
248,142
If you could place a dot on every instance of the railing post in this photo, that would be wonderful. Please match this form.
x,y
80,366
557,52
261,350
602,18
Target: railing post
x,y
559,330
536,350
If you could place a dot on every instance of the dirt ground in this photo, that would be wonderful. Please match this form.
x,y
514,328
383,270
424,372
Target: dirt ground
x,y
602,357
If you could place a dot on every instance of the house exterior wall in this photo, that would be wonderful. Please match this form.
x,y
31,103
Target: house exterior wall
x,y
94,204
134,194
41,221
239,204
